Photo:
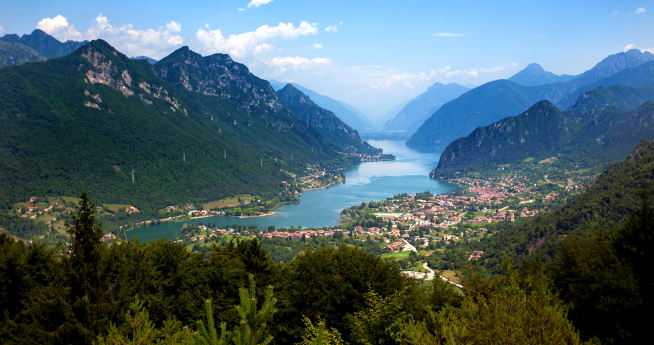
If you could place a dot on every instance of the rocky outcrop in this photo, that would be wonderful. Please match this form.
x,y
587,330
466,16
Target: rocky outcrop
x,y
218,76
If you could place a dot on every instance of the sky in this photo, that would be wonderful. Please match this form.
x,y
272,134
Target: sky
x,y
370,54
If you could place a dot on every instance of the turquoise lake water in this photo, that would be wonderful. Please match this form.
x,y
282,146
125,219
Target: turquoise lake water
x,y
409,173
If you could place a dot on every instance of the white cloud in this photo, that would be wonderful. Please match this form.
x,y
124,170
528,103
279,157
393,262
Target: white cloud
x,y
244,44
150,42
640,10
315,46
341,23
240,9
296,62
2,29
332,28
262,48
257,3
629,47
58,27
447,34
615,13
650,50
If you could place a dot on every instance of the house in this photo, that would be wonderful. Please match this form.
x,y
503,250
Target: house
x,y
32,208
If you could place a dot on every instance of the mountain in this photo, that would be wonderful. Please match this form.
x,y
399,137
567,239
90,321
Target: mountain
x,y
543,131
150,60
17,54
342,136
345,112
622,97
44,44
424,104
390,113
534,75
206,129
635,77
498,99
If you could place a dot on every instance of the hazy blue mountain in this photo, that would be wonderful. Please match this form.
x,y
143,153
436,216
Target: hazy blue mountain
x,y
498,99
346,113
635,77
206,129
424,105
332,129
141,57
534,75
621,97
17,54
543,131
44,44
390,113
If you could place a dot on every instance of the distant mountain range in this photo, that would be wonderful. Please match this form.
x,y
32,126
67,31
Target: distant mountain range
x,y
17,54
344,111
416,111
592,131
187,129
534,75
498,99
150,60
44,44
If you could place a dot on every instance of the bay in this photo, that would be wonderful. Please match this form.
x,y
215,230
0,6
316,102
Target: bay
x,y
367,181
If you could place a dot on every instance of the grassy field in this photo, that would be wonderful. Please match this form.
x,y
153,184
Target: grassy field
x,y
451,275
114,207
229,202
418,268
397,256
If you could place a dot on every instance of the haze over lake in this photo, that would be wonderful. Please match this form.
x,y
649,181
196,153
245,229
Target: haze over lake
x,y
367,181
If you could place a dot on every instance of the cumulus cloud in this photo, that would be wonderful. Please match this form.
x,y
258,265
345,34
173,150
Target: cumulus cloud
x,y
629,47
2,29
240,9
446,34
640,10
244,44
296,63
262,48
650,50
58,28
257,3
331,28
150,42
315,46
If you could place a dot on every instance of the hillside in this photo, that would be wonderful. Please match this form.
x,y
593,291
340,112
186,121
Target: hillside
x,y
96,119
593,137
534,75
332,129
498,99
44,44
622,97
17,54
345,112
609,200
149,59
424,105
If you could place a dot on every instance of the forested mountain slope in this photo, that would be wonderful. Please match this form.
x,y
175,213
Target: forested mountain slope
x,y
332,129
622,97
90,119
17,54
592,137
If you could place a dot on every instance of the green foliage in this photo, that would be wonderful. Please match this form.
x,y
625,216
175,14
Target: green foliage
x,y
379,322
318,335
16,54
506,309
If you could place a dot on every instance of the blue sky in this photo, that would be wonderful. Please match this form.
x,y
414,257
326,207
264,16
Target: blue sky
x,y
370,54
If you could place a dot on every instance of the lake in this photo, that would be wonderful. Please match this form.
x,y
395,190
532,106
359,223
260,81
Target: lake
x,y
367,181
